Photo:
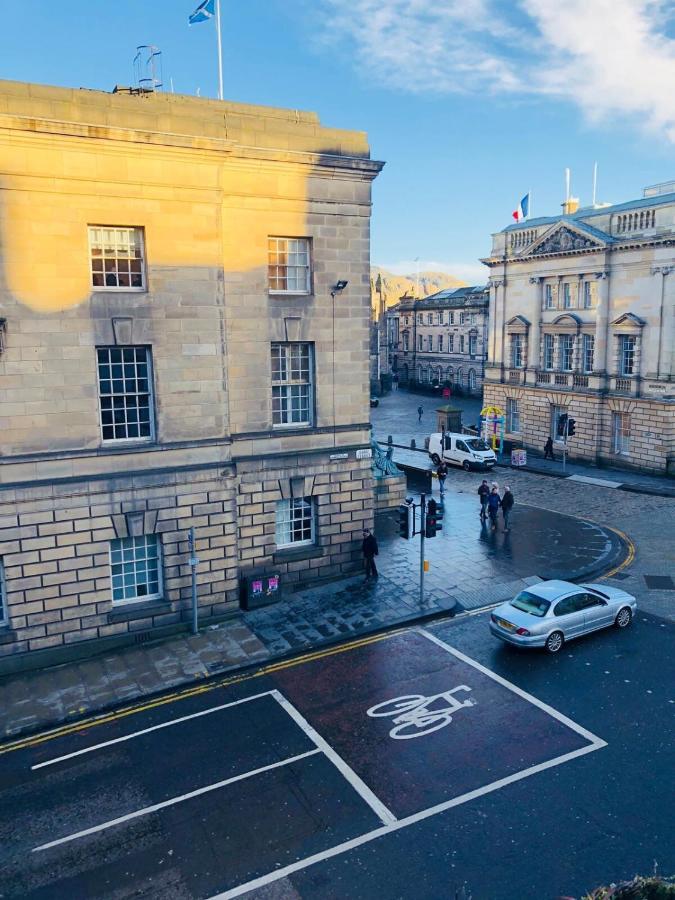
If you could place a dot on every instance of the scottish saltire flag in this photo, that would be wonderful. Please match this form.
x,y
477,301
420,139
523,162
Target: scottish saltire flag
x,y
203,13
523,209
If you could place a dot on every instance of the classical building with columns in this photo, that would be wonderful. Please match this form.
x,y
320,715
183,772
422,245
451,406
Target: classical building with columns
x,y
582,321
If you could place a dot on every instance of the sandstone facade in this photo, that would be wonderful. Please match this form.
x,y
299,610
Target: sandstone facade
x,y
240,221
582,323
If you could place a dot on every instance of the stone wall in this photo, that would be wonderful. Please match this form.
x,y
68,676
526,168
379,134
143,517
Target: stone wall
x,y
390,492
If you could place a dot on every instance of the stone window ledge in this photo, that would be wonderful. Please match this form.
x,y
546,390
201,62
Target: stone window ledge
x,y
7,636
291,555
140,610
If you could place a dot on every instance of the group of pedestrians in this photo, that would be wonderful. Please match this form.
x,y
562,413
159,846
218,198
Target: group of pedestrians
x,y
491,502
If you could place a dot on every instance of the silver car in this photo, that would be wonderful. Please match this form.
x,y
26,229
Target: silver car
x,y
550,613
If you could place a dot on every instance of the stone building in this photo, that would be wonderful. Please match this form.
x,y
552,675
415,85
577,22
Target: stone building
x,y
440,339
582,321
174,353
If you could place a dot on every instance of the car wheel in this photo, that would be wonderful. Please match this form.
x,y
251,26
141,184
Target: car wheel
x,y
435,458
466,466
623,617
554,642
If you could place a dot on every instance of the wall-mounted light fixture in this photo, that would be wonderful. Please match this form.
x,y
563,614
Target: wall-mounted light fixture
x,y
338,288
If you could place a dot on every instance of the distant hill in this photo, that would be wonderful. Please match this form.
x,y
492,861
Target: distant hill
x,y
396,286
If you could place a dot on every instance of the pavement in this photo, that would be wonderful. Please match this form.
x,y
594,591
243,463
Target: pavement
x,y
427,762
470,567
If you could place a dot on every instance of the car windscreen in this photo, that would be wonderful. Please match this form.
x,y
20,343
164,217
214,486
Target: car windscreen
x,y
530,603
477,444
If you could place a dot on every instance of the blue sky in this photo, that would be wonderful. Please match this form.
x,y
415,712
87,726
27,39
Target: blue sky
x,y
470,102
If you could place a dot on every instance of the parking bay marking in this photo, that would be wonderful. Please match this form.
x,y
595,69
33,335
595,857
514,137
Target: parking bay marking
x,y
595,743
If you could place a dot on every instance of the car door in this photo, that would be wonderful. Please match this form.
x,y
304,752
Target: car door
x,y
597,611
450,452
462,452
569,615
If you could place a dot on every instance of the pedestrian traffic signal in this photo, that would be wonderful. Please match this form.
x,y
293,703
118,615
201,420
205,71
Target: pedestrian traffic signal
x,y
562,422
570,427
434,519
406,522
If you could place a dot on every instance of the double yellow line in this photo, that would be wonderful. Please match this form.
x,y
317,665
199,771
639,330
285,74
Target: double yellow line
x,y
117,715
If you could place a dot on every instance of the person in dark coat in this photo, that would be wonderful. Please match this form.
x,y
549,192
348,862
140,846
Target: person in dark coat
x,y
442,473
483,494
420,410
494,502
548,448
370,551
507,506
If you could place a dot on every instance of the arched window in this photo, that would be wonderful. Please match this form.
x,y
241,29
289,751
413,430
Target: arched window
x,y
458,377
449,373
472,379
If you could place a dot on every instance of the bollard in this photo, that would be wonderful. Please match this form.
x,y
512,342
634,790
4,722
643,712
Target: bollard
x,y
390,439
413,445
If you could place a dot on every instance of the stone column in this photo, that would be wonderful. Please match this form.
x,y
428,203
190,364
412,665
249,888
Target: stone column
x,y
600,356
492,322
534,337
666,335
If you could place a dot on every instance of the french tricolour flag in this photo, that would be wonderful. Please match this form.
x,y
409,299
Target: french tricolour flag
x,y
523,209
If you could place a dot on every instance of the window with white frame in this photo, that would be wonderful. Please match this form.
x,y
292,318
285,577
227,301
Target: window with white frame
x,y
117,258
512,416
566,352
406,340
288,265
420,319
549,349
516,351
292,384
3,597
588,351
461,343
462,318
430,342
440,343
430,318
556,412
567,295
295,522
135,569
588,295
451,343
473,344
125,393
548,296
472,380
627,345
459,377
621,429
451,318
440,317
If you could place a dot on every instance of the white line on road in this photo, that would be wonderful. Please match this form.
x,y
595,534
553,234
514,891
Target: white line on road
x,y
378,807
173,801
135,734
397,826
598,742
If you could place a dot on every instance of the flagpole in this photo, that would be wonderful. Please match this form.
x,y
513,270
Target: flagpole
x,y
220,52
529,203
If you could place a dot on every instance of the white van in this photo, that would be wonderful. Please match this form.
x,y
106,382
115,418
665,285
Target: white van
x,y
461,450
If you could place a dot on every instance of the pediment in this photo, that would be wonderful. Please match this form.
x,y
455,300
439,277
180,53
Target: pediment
x,y
629,322
518,324
564,238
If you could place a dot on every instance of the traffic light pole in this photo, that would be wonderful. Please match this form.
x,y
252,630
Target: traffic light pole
x,y
565,430
423,528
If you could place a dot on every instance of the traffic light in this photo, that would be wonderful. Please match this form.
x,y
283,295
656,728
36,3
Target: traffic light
x,y
434,519
570,427
562,420
406,524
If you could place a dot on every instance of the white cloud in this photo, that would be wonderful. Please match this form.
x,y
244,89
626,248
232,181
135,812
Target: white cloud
x,y
611,57
470,272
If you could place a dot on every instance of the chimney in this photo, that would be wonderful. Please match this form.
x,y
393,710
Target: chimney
x,y
571,205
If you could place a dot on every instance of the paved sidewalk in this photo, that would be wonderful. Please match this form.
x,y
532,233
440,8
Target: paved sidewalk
x,y
470,567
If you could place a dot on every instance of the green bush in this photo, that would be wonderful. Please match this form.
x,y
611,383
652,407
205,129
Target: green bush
x,y
651,888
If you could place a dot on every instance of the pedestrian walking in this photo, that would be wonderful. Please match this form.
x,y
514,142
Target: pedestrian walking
x,y
548,448
394,382
370,551
494,502
507,506
442,474
483,494
420,410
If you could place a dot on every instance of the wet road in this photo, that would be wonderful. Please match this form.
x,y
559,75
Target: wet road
x,y
400,766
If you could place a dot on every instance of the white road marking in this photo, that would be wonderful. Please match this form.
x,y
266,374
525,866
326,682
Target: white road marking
x,y
349,774
516,690
603,482
173,801
135,734
397,826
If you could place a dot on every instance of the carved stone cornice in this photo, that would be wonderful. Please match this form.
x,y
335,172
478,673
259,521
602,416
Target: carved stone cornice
x,y
601,275
662,270
498,282
536,279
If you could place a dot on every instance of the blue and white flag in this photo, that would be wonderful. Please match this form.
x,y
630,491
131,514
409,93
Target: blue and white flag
x,y
203,13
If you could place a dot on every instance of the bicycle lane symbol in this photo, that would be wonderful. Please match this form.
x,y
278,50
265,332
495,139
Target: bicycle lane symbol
x,y
415,715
